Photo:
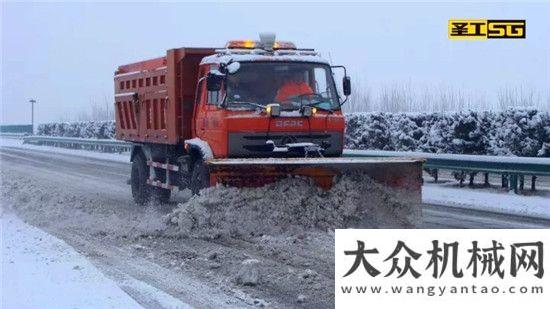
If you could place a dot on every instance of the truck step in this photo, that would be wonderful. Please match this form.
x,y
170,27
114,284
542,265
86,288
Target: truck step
x,y
170,167
158,183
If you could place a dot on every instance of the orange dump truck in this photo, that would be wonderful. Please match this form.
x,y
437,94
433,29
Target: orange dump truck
x,y
243,115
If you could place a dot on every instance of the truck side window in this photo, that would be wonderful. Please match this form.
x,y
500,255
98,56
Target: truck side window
x,y
321,85
213,97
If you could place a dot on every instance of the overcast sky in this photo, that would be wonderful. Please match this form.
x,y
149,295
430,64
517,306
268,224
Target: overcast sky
x,y
64,54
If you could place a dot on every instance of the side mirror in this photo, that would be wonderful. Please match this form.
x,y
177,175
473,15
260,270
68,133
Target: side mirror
x,y
214,81
233,67
346,85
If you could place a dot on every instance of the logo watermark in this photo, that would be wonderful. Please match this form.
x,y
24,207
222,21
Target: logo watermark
x,y
483,29
425,267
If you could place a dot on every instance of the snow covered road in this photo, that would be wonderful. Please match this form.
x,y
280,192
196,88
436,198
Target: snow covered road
x,y
65,279
112,171
86,202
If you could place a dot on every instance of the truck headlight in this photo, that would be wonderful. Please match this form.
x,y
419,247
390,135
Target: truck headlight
x,y
273,110
308,111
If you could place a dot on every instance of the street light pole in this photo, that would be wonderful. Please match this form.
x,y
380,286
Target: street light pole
x,y
32,101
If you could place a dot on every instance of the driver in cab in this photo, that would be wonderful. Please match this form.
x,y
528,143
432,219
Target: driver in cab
x,y
293,85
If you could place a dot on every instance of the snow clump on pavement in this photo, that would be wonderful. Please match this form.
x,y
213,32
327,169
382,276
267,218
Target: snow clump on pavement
x,y
292,206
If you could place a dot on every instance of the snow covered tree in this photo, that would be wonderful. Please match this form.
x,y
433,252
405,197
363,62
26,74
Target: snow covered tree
x,y
368,131
469,134
404,133
81,129
439,135
544,132
520,132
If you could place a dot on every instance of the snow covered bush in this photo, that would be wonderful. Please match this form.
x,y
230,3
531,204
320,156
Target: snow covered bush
x,y
368,131
521,132
438,135
405,134
384,131
516,132
468,133
512,132
82,129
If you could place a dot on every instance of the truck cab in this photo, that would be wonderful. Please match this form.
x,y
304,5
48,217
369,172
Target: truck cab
x,y
252,101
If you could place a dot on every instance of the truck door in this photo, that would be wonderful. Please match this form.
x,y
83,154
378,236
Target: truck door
x,y
214,131
208,117
198,111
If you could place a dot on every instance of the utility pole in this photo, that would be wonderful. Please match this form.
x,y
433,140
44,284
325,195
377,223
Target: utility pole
x,y
32,101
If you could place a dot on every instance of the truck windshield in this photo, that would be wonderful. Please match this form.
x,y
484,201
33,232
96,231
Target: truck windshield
x,y
291,84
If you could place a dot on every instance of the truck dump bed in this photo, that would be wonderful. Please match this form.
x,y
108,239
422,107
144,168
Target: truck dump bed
x,y
154,99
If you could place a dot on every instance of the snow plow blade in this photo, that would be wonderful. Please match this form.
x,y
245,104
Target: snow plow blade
x,y
399,173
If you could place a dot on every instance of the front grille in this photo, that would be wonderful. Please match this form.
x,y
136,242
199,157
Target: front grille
x,y
273,137
254,144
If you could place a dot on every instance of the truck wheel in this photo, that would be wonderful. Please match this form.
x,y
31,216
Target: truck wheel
x,y
200,177
141,191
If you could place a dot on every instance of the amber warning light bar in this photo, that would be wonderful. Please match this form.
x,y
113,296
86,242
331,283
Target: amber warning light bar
x,y
250,44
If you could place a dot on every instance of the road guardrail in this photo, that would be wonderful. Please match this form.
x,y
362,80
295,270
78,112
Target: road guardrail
x,y
13,135
16,128
102,145
512,169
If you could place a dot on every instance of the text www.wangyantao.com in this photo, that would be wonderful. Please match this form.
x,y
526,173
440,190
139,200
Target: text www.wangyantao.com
x,y
440,290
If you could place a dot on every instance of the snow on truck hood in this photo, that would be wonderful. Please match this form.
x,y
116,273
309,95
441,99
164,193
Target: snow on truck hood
x,y
226,58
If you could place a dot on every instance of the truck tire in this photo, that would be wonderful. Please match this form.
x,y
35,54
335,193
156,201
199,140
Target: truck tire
x,y
200,177
141,191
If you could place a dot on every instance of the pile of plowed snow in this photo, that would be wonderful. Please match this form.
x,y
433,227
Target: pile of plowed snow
x,y
291,206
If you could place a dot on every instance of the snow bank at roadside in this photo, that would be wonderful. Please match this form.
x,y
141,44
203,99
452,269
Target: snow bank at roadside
x,y
500,202
293,205
41,271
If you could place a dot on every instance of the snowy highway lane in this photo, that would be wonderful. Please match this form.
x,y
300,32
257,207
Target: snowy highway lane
x,y
102,174
86,202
